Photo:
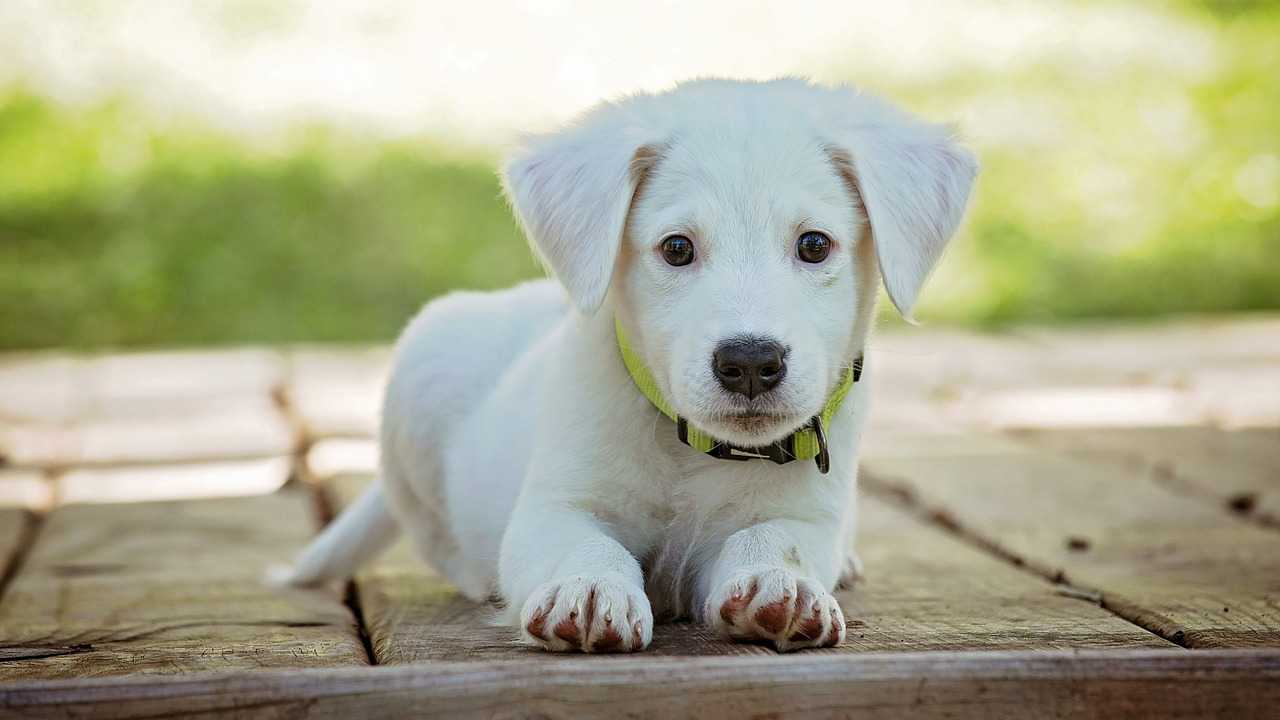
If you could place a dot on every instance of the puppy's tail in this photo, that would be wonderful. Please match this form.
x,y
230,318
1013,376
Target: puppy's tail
x,y
355,537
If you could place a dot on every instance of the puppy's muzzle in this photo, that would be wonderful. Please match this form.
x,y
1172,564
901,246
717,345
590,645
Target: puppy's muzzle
x,y
749,366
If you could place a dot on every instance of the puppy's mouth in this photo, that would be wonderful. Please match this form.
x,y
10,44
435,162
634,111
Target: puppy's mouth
x,y
753,427
752,416
753,422
748,422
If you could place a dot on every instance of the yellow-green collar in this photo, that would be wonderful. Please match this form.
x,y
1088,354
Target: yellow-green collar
x,y
807,443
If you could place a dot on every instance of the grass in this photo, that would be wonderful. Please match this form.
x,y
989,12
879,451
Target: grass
x,y
1142,192
192,239
1138,194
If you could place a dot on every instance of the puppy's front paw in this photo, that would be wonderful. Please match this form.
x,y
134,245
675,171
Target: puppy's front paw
x,y
591,614
774,605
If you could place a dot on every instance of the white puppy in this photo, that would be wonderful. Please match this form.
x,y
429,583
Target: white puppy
x,y
732,236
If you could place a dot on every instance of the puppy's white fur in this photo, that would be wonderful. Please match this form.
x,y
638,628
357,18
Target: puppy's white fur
x,y
521,458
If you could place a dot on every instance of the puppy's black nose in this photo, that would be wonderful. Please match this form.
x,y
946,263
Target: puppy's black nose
x,y
749,366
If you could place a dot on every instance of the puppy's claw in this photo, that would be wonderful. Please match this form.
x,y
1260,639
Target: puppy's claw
x,y
788,612
580,612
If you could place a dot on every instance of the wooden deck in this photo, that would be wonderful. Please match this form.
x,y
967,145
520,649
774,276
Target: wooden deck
x,y
1075,523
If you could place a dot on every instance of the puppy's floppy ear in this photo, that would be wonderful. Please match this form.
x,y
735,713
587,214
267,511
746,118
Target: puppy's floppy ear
x,y
572,191
913,181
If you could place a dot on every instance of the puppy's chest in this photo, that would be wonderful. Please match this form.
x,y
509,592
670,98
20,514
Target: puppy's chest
x,y
701,512
704,506
672,507
702,488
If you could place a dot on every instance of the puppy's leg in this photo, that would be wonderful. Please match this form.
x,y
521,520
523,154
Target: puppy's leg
x,y
765,586
581,589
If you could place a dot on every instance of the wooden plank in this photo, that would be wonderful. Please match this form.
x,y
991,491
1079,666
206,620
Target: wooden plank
x,y
886,443
1202,371
38,387
245,428
59,411
938,360
178,383
174,482
337,392
414,615
1073,406
1152,350
927,591
1239,396
1062,684
1001,382
1239,469
29,489
1174,565
332,457
169,588
56,388
922,379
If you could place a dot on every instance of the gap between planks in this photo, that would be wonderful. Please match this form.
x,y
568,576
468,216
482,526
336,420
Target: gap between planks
x,y
300,474
282,399
351,591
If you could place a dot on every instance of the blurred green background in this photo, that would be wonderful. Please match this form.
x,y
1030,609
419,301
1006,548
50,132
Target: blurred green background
x,y
1107,191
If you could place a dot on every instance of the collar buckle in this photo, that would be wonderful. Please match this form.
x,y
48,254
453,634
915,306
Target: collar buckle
x,y
781,452
823,458
775,452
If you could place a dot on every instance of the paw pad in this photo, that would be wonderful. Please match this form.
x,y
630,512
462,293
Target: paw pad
x,y
777,607
579,615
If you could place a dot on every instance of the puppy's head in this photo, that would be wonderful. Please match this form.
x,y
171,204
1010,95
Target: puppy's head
x,y
739,231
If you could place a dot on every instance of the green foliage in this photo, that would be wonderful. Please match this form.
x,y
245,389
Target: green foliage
x,y
1132,190
1121,190
114,236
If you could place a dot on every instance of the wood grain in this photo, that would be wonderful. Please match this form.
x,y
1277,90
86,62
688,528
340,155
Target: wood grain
x,y
1175,565
1239,470
1060,684
926,591
159,588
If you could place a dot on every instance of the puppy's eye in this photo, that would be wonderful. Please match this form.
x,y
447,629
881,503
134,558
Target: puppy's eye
x,y
677,250
813,247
